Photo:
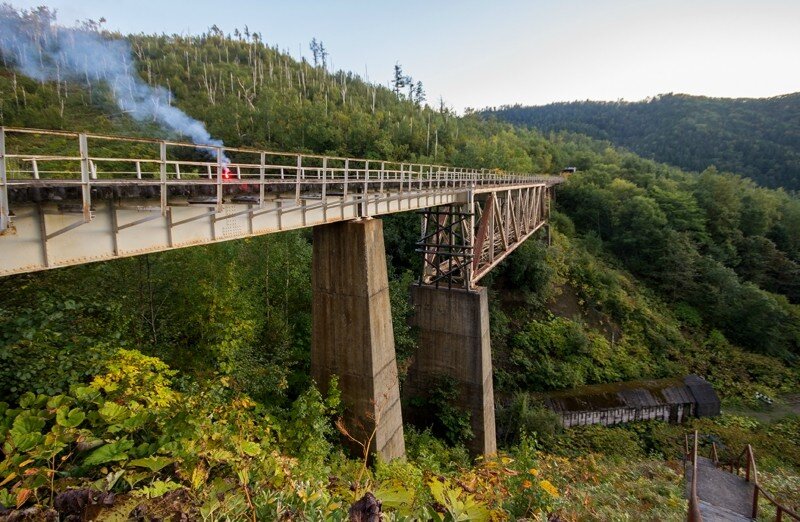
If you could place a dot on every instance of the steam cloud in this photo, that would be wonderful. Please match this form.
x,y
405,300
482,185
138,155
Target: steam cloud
x,y
45,51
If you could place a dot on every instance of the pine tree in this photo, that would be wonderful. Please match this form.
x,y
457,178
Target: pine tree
x,y
399,79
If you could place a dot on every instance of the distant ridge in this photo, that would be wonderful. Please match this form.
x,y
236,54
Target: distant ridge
x,y
757,138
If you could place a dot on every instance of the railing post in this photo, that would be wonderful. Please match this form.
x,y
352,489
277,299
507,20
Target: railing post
x,y
86,190
139,170
35,165
163,175
468,269
325,188
365,211
747,466
220,166
694,508
261,170
346,177
382,175
299,177
755,501
5,219
685,447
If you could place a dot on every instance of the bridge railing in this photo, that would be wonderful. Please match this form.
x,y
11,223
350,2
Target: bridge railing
x,y
28,157
49,158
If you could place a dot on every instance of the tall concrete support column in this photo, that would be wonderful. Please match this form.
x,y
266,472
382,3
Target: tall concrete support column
x,y
454,342
352,333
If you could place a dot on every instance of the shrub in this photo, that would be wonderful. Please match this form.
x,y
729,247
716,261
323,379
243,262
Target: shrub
x,y
524,415
433,454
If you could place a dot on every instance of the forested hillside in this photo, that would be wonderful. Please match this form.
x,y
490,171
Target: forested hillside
x,y
180,381
755,138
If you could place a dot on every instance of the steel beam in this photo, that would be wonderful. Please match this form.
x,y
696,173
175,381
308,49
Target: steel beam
x,y
459,256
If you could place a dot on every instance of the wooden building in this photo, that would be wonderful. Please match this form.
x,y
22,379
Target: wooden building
x,y
669,400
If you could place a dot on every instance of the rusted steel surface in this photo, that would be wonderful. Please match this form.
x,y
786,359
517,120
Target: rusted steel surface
x,y
461,243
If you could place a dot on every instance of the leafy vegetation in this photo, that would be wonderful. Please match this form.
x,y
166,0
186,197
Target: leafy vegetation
x,y
181,378
756,138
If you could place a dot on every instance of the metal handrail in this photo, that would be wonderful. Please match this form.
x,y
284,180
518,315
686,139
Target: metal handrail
x,y
361,180
407,171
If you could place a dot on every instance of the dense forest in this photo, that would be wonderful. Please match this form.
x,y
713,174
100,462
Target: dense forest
x,y
756,138
180,381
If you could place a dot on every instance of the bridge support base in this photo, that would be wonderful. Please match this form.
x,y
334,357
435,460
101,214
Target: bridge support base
x,y
352,333
454,343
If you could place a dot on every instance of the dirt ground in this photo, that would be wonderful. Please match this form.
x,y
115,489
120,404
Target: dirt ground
x,y
783,407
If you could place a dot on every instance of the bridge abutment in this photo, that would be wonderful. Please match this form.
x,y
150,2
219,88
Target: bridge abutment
x,y
455,343
352,334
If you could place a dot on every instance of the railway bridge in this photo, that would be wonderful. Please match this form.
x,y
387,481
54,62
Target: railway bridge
x,y
70,198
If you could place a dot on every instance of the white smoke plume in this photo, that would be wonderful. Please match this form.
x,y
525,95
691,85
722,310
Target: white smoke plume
x,y
41,49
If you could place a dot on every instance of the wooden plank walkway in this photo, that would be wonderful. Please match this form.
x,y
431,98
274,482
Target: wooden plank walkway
x,y
724,497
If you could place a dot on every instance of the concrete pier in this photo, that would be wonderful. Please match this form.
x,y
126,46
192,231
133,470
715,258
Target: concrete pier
x,y
454,342
352,333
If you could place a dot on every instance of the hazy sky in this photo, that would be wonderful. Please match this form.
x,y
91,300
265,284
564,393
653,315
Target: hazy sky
x,y
478,54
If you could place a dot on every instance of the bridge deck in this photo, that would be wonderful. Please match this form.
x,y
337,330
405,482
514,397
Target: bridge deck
x,y
103,197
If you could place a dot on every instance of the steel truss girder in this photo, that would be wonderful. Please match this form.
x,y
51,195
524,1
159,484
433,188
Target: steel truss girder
x,y
461,243
446,245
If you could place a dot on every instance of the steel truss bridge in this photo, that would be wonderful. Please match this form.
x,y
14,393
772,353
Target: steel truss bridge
x,y
103,197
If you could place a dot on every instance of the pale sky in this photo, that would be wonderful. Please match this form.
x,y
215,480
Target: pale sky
x,y
479,54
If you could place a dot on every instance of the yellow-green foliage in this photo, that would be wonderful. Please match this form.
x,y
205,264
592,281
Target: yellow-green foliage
x,y
599,488
133,377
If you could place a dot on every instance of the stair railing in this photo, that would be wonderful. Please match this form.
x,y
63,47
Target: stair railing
x,y
714,454
751,475
746,461
694,514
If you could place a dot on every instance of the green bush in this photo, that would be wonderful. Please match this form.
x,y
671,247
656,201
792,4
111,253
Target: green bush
x,y
131,430
616,441
433,454
46,347
526,416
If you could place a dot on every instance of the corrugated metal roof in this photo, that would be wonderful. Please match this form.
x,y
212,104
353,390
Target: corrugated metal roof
x,y
634,394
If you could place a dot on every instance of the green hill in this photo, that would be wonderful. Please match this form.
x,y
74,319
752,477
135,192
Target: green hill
x,y
756,138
